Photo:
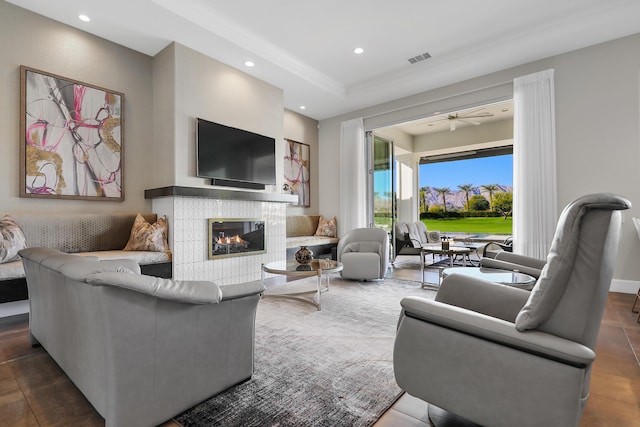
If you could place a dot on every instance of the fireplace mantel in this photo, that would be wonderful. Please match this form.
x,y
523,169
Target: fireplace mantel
x,y
218,193
188,210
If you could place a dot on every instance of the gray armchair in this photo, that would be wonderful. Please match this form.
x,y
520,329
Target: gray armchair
x,y
501,356
364,254
509,261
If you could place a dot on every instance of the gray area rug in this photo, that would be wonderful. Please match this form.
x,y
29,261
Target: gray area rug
x,y
317,368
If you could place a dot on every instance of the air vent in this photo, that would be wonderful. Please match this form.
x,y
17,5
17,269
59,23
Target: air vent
x,y
419,58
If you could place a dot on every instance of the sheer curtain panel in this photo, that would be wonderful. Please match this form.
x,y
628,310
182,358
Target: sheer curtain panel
x,y
534,164
353,177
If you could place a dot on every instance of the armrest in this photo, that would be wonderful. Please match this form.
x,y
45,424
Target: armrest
x,y
239,290
500,301
505,265
498,331
521,260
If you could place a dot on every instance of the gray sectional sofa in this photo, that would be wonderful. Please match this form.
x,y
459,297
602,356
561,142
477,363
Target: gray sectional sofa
x,y
140,348
100,235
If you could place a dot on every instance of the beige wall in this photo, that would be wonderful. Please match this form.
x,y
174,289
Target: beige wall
x,y
164,111
38,42
211,90
304,129
597,127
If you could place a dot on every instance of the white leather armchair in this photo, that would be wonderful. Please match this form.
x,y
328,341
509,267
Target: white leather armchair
x,y
364,253
501,356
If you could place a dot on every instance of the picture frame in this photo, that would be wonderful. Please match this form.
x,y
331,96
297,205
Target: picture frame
x,y
297,174
72,138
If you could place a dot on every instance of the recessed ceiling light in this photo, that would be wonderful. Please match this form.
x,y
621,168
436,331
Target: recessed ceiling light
x,y
302,107
358,50
249,63
84,18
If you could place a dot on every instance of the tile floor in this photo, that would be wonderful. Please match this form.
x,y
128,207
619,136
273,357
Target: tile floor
x,y
35,392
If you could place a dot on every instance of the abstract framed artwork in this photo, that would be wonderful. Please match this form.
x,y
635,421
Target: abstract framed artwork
x,y
296,171
72,139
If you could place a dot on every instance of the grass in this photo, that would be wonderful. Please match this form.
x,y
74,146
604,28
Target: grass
x,y
471,225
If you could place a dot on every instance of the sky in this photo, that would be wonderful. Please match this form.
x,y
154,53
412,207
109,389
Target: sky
x,y
477,172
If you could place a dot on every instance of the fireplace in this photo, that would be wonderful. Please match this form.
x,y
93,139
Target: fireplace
x,y
235,237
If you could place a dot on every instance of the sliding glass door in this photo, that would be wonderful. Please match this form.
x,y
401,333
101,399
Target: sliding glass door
x,y
382,194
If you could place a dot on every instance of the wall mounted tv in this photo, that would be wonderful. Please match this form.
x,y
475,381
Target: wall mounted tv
x,y
234,157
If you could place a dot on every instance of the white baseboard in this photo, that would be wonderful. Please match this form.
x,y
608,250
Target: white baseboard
x,y
14,308
624,286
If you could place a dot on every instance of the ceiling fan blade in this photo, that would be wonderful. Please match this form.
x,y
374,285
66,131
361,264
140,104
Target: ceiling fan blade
x,y
469,113
435,125
477,116
471,122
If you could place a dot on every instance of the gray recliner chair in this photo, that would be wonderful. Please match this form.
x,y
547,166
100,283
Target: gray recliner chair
x,y
501,356
364,254
509,261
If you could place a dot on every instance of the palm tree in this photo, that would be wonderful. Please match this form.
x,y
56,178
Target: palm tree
x,y
491,188
467,188
423,199
444,191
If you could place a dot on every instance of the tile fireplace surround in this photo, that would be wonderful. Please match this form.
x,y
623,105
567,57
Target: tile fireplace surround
x,y
188,210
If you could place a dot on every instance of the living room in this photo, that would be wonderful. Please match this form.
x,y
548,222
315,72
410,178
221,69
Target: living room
x,y
597,116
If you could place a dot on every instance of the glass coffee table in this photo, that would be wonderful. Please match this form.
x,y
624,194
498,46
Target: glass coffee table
x,y
317,267
436,249
504,277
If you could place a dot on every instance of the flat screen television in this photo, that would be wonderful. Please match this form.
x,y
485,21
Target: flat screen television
x,y
234,157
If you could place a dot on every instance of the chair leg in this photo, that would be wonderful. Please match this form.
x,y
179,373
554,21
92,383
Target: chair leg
x,y
633,308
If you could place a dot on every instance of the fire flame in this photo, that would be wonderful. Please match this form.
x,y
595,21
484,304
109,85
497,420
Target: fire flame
x,y
231,240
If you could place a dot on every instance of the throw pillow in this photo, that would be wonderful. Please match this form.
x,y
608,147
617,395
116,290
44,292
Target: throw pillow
x,y
11,239
148,237
327,228
433,236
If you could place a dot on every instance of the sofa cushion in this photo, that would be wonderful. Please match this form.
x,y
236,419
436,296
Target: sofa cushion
x,y
360,265
294,242
193,292
11,270
141,257
12,239
148,237
302,225
327,227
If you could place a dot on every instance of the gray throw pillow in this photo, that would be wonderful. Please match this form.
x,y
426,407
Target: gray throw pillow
x,y
12,239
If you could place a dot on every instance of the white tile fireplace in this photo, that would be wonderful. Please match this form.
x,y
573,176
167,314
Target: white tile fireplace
x,y
188,210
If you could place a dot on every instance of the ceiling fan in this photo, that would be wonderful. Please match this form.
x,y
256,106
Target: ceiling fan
x,y
464,118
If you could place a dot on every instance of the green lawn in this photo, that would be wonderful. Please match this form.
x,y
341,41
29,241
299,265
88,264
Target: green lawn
x,y
471,225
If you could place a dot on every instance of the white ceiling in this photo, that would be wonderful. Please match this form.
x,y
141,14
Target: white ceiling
x,y
453,121
306,48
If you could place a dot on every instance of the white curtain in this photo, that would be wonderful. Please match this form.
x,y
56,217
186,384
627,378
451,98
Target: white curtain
x,y
353,177
534,164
